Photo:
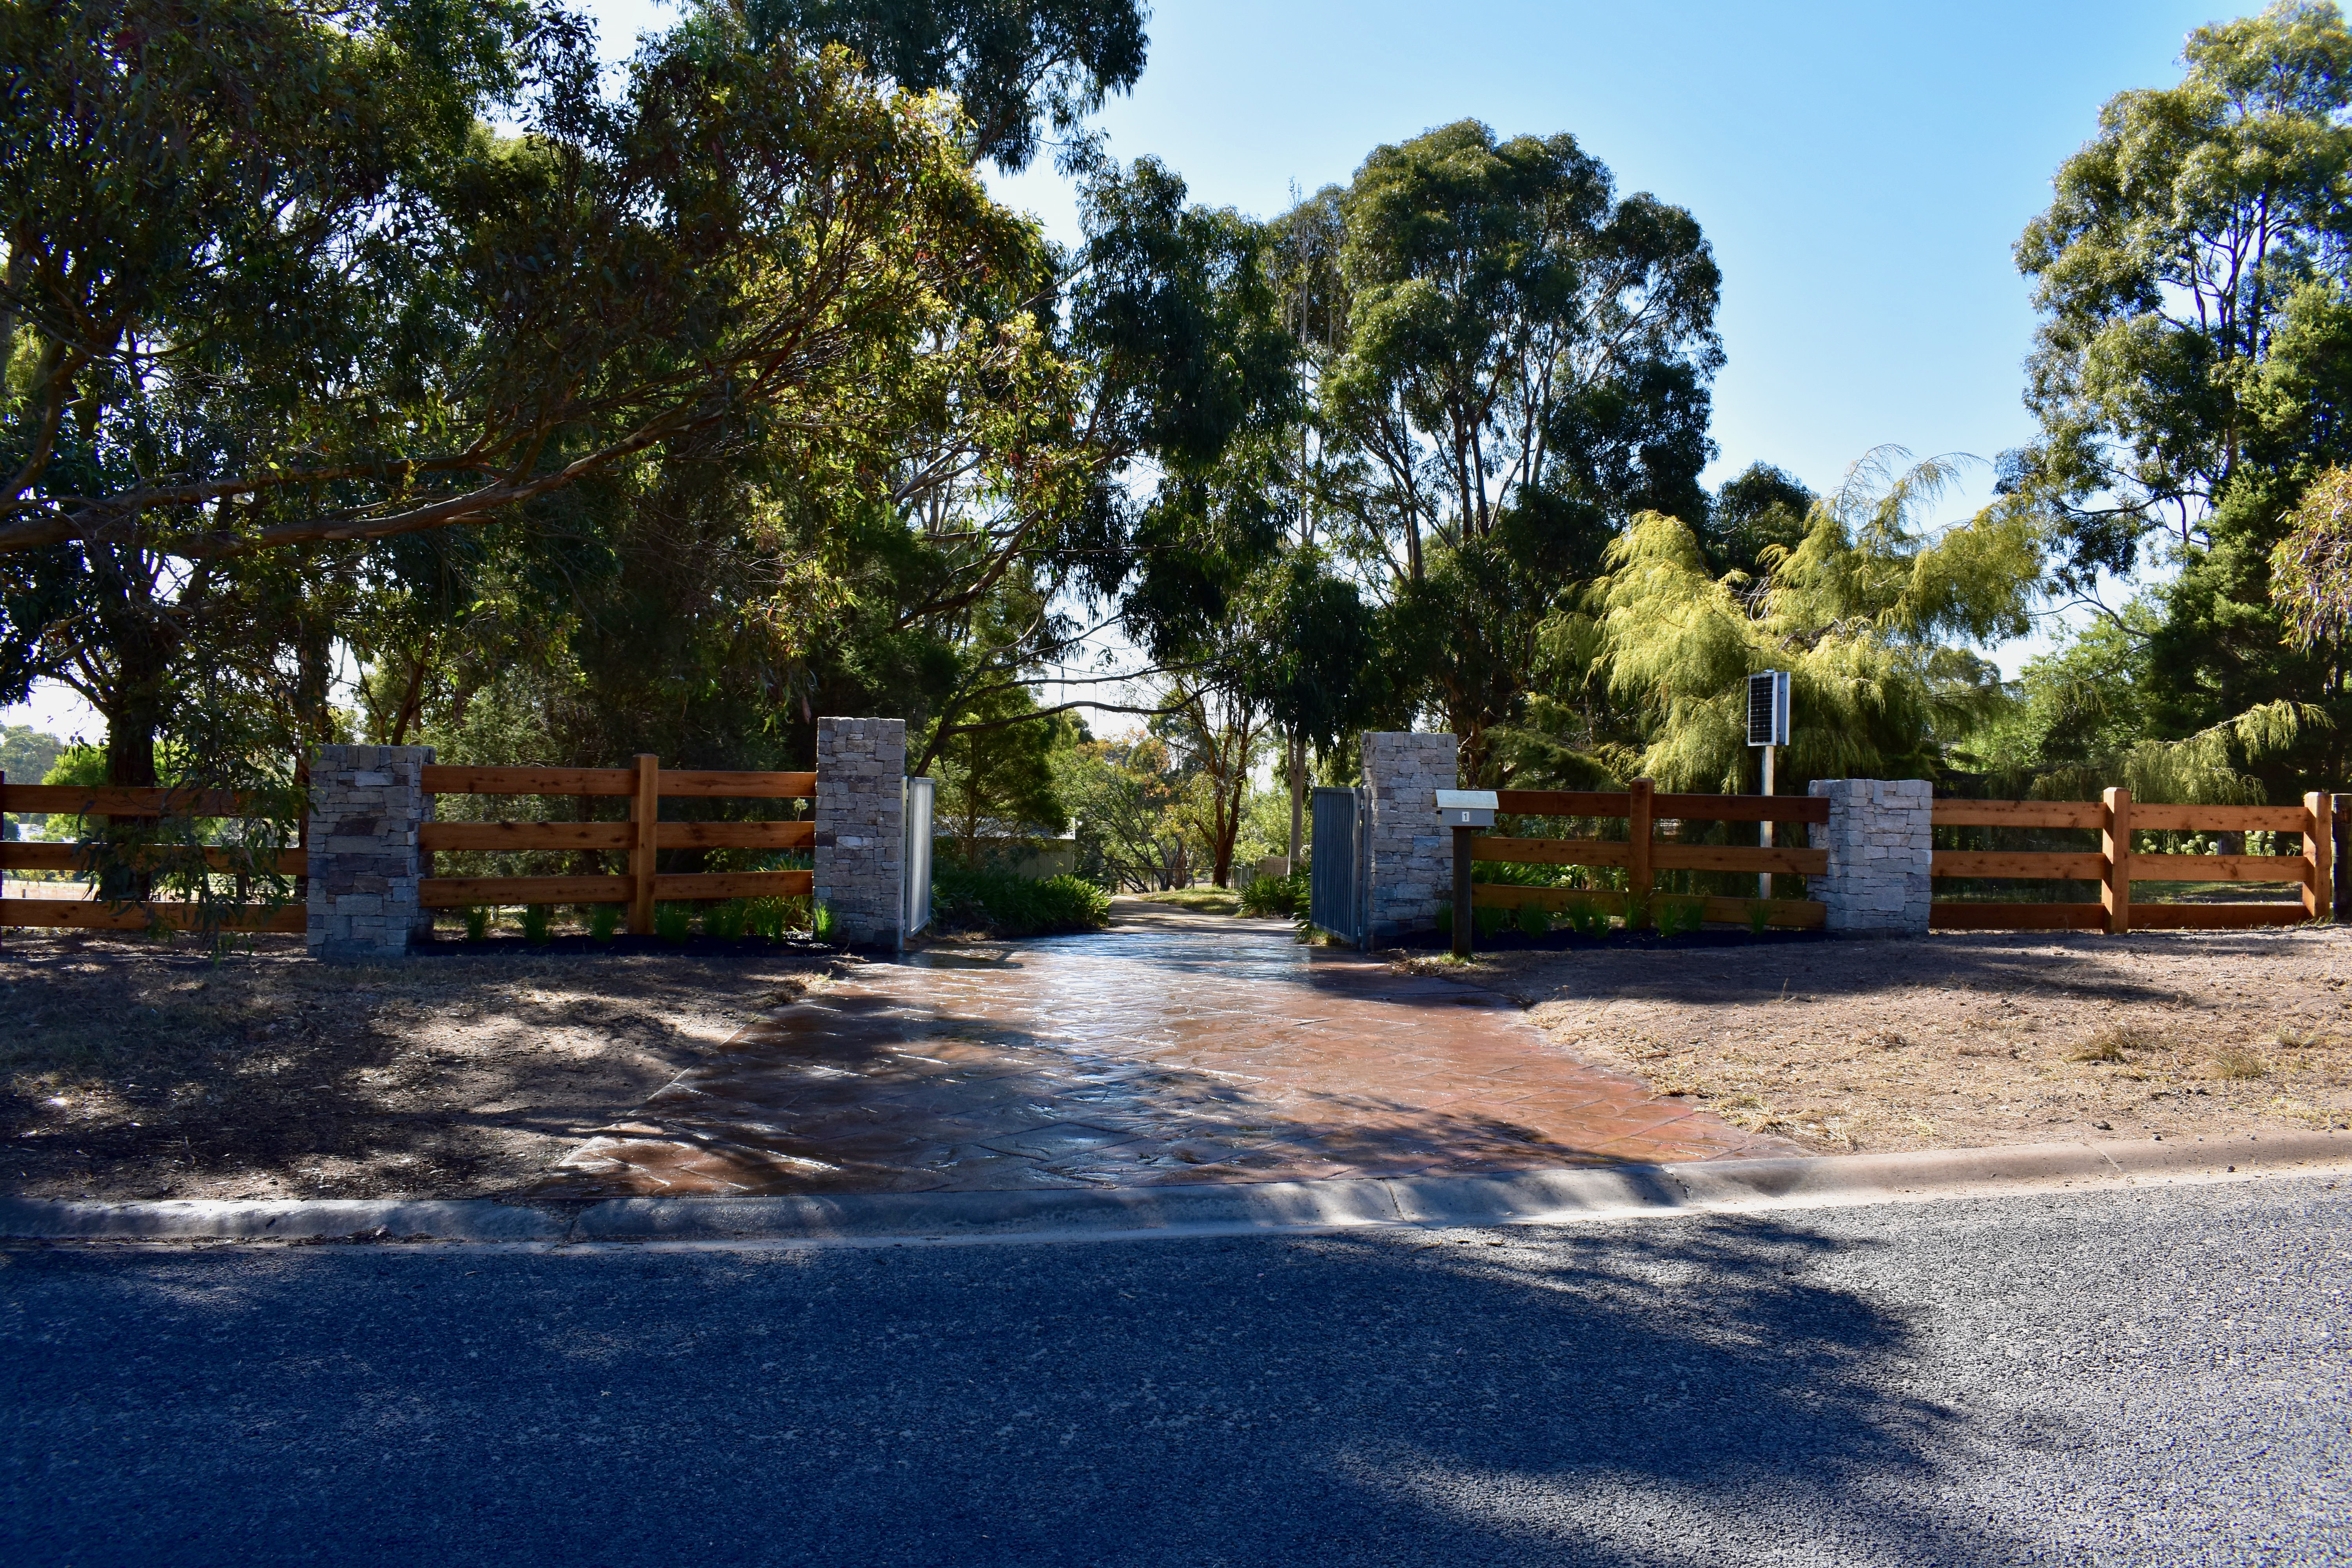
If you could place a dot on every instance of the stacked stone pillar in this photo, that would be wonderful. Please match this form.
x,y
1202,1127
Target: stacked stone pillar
x,y
1410,867
367,805
1880,842
861,842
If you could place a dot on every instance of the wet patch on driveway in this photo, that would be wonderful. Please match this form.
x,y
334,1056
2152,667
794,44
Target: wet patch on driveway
x,y
1170,1049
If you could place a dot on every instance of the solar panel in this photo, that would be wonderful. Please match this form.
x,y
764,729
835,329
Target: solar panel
x,y
1768,708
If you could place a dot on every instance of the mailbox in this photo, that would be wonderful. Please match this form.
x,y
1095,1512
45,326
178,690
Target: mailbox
x,y
1466,807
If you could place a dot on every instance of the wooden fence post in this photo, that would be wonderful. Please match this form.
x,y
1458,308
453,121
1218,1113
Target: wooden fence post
x,y
2319,849
1637,839
2114,843
644,810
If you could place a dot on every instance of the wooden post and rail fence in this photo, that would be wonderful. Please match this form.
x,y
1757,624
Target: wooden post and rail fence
x,y
2113,867
644,785
1641,854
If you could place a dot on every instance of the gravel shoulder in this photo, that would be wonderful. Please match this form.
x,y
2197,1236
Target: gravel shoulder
x,y
133,1070
1966,1039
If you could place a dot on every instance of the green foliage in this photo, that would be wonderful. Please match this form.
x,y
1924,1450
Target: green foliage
x,y
1863,615
477,923
1283,896
1760,916
604,921
1010,67
996,770
2190,373
821,924
724,922
674,922
775,919
27,754
1587,918
1005,905
537,920
1678,917
1636,909
1533,920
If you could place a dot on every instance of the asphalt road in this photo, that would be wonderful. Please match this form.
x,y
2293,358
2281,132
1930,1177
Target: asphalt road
x,y
2131,1377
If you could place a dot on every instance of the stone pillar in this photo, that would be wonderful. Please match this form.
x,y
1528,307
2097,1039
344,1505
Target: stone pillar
x,y
861,838
366,805
1410,862
1880,841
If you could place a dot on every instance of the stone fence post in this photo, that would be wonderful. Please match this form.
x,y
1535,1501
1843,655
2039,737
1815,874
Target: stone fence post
x,y
1410,866
366,805
1881,841
861,840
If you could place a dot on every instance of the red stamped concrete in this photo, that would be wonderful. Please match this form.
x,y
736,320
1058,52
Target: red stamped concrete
x,y
1170,1049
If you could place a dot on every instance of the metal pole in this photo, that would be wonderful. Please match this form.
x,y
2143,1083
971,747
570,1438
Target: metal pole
x,y
1462,917
1764,879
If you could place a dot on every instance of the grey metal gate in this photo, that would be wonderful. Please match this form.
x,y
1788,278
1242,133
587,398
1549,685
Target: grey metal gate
x,y
1334,897
915,899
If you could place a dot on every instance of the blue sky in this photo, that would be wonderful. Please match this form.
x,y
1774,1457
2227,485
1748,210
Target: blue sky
x,y
1861,170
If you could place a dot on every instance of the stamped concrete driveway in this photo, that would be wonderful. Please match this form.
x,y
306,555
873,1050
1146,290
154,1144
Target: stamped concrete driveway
x,y
1171,1048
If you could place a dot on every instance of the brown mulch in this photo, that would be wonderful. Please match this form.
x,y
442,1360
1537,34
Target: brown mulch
x,y
130,1070
1968,1040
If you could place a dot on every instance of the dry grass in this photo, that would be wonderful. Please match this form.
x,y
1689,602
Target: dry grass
x,y
1970,1039
132,1070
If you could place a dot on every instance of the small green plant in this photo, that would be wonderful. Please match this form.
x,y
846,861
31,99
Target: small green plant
x,y
1586,918
821,920
723,922
1635,909
673,923
1491,921
1535,920
1760,916
771,918
604,921
1445,919
538,920
1678,917
477,923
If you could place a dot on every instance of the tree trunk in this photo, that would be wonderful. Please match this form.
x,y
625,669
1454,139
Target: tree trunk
x,y
1297,799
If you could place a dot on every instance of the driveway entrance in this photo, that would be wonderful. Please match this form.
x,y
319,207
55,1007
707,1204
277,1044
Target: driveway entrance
x,y
1171,1048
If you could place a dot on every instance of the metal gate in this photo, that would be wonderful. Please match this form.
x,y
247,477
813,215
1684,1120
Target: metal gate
x,y
916,898
1335,900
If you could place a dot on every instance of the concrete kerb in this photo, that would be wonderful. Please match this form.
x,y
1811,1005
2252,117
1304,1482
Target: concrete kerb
x,y
1535,1197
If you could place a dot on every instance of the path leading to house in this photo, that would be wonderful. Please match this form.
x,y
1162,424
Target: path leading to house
x,y
1171,1048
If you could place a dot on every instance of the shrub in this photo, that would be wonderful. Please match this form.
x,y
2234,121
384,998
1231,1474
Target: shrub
x,y
673,923
477,924
603,920
1283,896
1533,920
723,922
1760,916
1636,910
1490,919
821,922
1003,904
537,921
774,918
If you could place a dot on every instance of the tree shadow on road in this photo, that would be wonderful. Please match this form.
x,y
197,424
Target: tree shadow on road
x,y
1692,1392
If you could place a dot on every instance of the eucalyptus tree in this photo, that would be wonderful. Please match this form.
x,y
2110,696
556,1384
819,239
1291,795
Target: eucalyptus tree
x,y
1524,365
1017,68
2193,361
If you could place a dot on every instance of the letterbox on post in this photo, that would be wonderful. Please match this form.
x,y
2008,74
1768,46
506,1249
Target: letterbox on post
x,y
1465,811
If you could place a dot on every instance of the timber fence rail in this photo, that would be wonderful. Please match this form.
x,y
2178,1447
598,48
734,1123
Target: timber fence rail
x,y
2115,865
1642,854
644,785
96,806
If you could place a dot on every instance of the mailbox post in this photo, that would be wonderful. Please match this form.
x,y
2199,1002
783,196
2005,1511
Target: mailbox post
x,y
1465,811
